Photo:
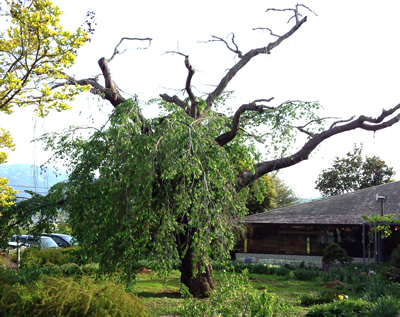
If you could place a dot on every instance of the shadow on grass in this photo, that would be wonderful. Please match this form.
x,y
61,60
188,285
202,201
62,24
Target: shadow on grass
x,y
159,295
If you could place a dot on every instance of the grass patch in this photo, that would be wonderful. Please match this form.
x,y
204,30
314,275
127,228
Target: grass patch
x,y
160,296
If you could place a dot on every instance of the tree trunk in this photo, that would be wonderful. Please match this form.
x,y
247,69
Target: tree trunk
x,y
199,283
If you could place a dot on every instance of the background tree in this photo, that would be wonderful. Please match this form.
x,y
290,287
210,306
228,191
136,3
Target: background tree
x,y
170,188
6,192
352,173
34,53
267,193
285,196
262,195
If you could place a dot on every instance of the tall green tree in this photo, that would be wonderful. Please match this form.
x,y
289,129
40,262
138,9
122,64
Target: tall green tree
x,y
267,193
173,189
262,195
353,172
285,195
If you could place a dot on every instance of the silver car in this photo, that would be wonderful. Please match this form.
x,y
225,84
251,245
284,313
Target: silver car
x,y
27,241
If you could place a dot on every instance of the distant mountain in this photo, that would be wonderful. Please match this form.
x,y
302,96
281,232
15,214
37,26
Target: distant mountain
x,y
29,177
306,200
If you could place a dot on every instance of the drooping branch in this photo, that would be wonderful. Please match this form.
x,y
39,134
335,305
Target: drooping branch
x,y
362,122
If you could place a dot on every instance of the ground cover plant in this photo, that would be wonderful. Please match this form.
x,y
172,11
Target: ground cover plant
x,y
243,289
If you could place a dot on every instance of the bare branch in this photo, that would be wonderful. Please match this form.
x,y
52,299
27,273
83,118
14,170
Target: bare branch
x,y
175,99
192,111
341,121
362,122
294,102
234,49
296,13
252,106
243,62
270,31
302,128
116,52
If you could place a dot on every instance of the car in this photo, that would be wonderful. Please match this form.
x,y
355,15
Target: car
x,y
63,240
26,241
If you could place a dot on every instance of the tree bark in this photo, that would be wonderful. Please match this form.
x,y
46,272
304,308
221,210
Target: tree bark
x,y
199,282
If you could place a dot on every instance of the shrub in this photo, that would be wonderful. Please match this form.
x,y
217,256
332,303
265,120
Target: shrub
x,y
347,274
37,257
392,274
239,267
66,297
334,252
235,297
375,287
316,298
387,306
283,271
306,275
345,307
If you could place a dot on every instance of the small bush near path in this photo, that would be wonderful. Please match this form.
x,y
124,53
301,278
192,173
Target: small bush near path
x,y
348,307
234,296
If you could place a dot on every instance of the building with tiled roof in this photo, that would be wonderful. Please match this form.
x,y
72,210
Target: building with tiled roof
x,y
306,229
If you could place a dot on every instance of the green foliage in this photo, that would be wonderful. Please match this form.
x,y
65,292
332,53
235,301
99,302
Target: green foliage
x,y
376,287
235,297
352,173
38,257
306,274
68,297
158,189
381,224
387,306
392,274
141,193
269,192
262,195
285,195
317,298
344,307
334,252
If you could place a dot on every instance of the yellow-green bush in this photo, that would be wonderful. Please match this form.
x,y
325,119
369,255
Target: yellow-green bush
x,y
67,297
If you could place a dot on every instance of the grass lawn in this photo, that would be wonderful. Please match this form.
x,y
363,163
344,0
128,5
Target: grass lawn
x,y
162,297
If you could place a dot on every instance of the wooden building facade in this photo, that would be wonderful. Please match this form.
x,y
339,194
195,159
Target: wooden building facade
x,y
306,229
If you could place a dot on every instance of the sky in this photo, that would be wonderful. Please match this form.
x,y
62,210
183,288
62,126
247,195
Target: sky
x,y
346,57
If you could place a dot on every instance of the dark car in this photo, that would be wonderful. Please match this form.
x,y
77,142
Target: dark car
x,y
63,240
44,242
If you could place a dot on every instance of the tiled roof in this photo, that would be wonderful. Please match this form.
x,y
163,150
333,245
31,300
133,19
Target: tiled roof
x,y
340,209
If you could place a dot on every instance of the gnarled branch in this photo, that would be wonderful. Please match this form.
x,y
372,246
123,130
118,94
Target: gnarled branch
x,y
362,122
252,106
116,52
243,62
